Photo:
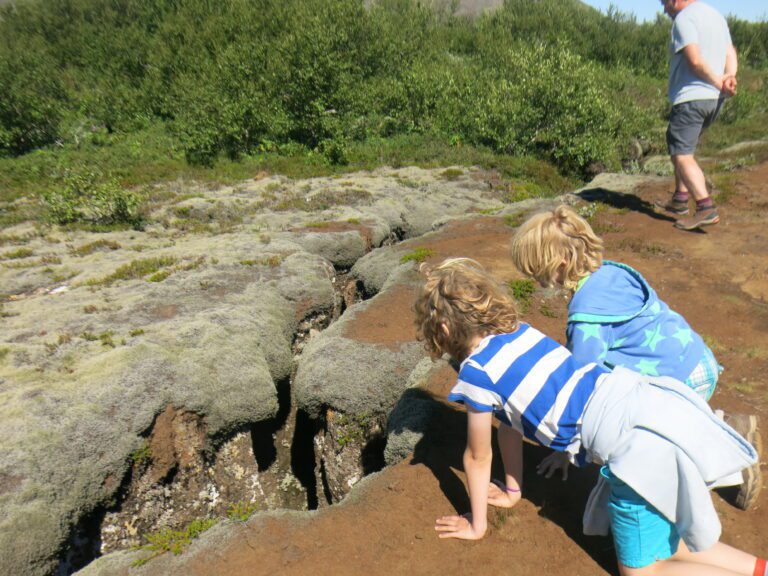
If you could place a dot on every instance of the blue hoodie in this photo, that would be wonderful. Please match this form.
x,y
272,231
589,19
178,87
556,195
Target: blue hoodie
x,y
616,318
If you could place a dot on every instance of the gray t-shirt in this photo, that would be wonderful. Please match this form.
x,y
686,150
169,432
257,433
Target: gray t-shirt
x,y
699,24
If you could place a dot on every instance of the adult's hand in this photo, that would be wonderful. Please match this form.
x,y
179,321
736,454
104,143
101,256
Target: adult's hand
x,y
729,85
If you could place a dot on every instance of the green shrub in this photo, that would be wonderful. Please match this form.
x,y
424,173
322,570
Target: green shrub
x,y
241,511
318,79
174,541
86,197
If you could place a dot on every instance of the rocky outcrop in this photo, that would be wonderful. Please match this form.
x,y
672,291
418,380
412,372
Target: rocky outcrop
x,y
191,327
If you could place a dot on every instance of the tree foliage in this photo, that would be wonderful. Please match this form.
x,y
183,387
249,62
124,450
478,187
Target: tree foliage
x,y
234,77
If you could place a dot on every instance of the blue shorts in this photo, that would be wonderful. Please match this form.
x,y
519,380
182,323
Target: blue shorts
x,y
641,534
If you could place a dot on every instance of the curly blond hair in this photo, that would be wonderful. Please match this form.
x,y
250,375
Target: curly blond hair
x,y
458,302
557,240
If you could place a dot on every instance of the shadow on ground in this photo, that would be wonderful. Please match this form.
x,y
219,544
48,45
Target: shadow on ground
x,y
441,449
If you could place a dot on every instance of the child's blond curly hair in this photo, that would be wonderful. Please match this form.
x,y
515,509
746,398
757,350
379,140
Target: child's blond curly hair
x,y
551,240
458,302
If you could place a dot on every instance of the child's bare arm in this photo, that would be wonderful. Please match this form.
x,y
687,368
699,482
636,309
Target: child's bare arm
x,y
477,465
509,492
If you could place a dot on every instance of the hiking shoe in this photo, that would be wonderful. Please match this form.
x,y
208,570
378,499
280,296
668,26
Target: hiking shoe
x,y
746,425
699,218
677,207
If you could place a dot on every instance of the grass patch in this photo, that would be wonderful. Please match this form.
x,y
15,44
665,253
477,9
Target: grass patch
x,y
514,220
17,254
175,541
714,344
160,275
746,387
97,246
522,291
452,174
418,255
136,269
407,183
647,248
726,187
105,338
547,311
317,224
271,261
141,455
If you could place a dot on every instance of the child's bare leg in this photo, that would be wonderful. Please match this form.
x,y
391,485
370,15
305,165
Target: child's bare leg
x,y
720,560
511,447
720,555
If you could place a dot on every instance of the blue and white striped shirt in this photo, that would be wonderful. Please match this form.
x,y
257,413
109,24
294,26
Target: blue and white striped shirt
x,y
531,383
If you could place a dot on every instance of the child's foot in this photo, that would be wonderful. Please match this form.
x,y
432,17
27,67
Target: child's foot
x,y
747,426
501,496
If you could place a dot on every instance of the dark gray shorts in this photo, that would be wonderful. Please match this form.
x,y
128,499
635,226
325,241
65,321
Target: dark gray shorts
x,y
686,123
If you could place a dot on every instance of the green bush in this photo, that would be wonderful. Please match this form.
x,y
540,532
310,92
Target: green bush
x,y
551,78
86,197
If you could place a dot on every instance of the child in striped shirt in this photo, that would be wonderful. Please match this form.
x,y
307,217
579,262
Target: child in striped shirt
x,y
641,428
615,318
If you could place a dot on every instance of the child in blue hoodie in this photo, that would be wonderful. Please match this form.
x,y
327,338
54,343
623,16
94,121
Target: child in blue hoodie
x,y
615,318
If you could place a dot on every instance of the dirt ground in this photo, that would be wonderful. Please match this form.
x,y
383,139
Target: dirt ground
x,y
718,279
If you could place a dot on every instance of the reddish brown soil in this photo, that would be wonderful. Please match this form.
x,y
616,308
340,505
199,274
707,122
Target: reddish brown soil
x,y
718,279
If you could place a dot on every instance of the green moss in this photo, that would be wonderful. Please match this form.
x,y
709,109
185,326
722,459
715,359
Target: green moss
x,y
418,255
522,291
353,220
350,428
317,224
136,332
4,353
175,541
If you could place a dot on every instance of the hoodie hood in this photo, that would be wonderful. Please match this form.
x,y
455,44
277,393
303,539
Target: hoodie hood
x,y
624,294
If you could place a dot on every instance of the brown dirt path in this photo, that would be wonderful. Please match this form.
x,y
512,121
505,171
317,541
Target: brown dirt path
x,y
718,279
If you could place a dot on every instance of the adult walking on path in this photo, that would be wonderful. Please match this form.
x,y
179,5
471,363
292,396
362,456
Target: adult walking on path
x,y
702,73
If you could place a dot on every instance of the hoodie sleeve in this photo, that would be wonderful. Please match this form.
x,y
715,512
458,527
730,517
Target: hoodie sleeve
x,y
588,341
